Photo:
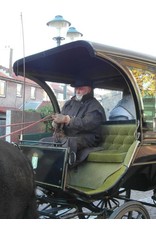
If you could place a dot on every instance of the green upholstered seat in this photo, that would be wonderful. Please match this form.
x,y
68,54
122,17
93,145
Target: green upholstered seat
x,y
106,156
116,141
103,168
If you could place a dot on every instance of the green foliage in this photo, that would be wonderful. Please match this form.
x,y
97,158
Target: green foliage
x,y
45,111
145,80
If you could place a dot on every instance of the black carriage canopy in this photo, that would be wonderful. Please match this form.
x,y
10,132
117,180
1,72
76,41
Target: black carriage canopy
x,y
68,62
78,59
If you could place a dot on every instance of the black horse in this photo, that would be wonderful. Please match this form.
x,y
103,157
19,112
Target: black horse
x,y
17,186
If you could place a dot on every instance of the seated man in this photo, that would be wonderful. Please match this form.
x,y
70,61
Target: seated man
x,y
125,108
81,120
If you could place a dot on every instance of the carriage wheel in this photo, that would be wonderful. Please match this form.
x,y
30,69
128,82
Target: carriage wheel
x,y
130,210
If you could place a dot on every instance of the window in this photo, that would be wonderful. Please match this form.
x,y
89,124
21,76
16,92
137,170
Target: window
x,y
33,93
45,96
19,90
2,88
108,99
146,79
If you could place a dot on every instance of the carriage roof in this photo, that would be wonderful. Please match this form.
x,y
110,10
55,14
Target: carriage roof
x,y
81,58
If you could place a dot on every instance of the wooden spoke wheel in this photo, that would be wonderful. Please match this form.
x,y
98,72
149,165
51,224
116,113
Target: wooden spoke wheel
x,y
130,210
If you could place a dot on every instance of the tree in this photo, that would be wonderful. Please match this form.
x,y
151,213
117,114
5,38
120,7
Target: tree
x,y
145,80
45,111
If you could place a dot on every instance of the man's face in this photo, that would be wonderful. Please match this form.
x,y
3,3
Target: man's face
x,y
83,90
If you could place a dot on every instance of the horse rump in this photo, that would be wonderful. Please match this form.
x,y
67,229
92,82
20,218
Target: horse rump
x,y
17,184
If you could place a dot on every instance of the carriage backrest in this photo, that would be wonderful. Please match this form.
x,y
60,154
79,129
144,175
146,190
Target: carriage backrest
x,y
118,136
116,144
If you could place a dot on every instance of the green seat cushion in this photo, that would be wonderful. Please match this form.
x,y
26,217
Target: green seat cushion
x,y
113,156
92,174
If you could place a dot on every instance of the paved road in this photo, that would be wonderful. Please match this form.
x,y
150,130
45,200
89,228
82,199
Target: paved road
x,y
145,197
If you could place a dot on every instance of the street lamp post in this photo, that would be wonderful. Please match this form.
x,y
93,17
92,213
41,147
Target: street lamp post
x,y
60,25
73,34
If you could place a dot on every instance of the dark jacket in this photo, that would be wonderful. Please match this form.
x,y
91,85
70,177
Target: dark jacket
x,y
87,116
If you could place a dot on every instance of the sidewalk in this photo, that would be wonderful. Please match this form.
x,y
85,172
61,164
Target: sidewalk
x,y
145,197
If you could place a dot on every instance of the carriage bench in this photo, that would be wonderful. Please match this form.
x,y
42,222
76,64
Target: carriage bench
x,y
117,139
102,168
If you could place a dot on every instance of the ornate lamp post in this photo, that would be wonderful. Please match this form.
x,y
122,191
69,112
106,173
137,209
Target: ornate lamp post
x,y
60,25
73,34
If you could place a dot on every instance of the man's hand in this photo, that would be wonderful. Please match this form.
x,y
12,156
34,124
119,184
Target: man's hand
x,y
54,125
61,119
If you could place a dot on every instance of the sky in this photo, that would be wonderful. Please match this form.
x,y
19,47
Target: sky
x,y
128,24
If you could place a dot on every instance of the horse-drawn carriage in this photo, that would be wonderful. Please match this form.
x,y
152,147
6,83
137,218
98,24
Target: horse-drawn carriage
x,y
100,186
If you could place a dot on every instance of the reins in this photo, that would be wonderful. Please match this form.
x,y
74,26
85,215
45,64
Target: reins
x,y
47,118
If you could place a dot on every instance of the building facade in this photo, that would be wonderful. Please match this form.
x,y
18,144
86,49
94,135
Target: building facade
x,y
18,94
